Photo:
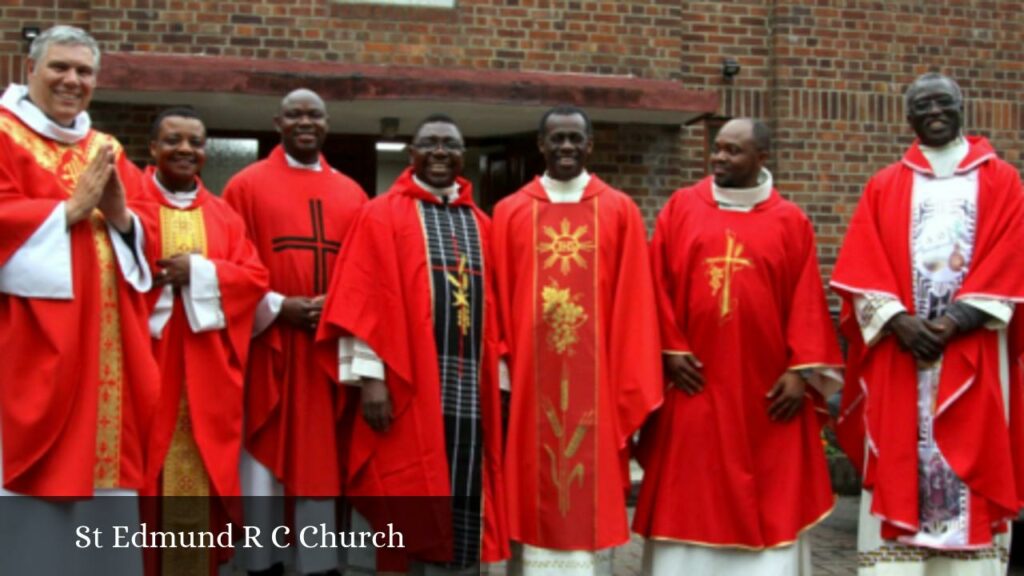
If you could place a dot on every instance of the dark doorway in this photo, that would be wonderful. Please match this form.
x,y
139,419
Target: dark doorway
x,y
353,155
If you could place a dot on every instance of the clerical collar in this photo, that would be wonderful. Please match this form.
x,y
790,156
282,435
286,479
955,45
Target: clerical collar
x,y
177,199
743,199
16,100
293,163
449,194
945,159
565,191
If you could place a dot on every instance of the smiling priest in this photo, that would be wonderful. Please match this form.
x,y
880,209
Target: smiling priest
x,y
208,282
78,384
411,323
577,306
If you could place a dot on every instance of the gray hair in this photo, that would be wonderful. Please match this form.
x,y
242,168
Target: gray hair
x,y
64,36
915,87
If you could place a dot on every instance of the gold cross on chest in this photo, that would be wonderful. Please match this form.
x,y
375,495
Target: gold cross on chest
x,y
460,282
720,271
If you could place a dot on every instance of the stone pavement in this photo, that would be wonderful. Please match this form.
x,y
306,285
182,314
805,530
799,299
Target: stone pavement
x,y
833,545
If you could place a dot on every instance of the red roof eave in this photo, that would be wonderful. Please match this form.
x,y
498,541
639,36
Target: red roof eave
x,y
340,82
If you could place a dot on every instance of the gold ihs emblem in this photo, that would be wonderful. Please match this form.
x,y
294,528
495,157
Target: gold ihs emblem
x,y
720,271
564,246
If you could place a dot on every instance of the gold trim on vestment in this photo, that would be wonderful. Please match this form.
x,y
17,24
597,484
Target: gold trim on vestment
x,y
799,533
563,315
106,473
185,507
182,232
184,473
66,161
806,366
185,484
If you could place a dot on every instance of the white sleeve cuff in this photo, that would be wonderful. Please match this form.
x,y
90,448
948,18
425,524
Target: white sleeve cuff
x,y
356,361
504,381
346,352
41,267
999,312
161,312
201,298
366,363
873,312
131,259
831,382
267,312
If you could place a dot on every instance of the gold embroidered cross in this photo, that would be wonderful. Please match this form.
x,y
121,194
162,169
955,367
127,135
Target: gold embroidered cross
x,y
721,269
460,281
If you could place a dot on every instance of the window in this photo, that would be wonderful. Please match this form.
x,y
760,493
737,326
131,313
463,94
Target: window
x,y
224,158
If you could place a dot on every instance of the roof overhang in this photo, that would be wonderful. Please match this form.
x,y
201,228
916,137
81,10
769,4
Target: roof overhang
x,y
243,94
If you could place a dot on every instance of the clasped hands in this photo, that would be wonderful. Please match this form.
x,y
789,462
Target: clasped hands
x,y
924,339
302,312
785,399
100,187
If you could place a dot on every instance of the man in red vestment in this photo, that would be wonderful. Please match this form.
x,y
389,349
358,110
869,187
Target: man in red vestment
x,y
297,210
78,384
577,307
412,303
734,469
205,294
929,273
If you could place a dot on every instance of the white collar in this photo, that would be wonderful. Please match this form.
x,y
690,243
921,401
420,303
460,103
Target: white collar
x,y
293,163
178,199
743,199
565,191
16,100
945,159
450,194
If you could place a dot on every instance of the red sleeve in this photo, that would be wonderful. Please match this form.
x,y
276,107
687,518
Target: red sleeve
x,y
995,266
366,294
673,340
866,263
243,280
20,214
635,361
810,337
502,276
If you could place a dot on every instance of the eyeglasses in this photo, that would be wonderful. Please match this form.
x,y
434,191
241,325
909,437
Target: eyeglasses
x,y
453,146
924,105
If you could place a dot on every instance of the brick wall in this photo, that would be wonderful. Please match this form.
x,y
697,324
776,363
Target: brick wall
x,y
640,160
131,124
622,37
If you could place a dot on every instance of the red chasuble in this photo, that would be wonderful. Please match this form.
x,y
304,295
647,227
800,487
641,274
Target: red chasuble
x,y
880,400
577,306
297,219
382,293
197,437
742,292
78,384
